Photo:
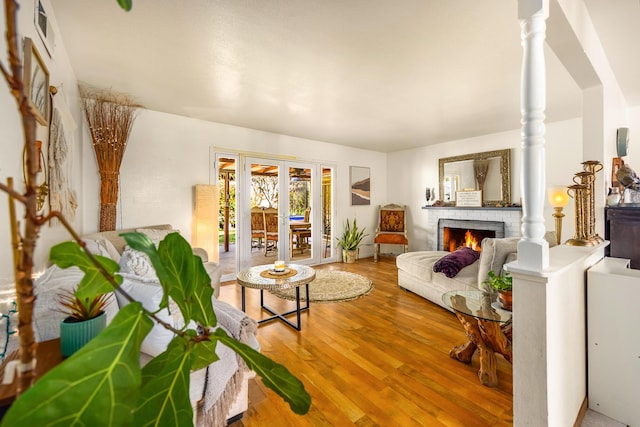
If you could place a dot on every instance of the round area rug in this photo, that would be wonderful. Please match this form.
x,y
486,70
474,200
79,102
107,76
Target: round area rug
x,y
330,286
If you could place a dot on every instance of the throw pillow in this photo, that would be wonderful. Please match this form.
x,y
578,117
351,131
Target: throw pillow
x,y
154,234
137,263
149,293
451,264
102,247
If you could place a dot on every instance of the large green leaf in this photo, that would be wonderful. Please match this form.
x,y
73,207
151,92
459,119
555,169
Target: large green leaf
x,y
181,274
126,4
274,375
98,385
164,397
69,254
195,284
204,354
176,256
142,243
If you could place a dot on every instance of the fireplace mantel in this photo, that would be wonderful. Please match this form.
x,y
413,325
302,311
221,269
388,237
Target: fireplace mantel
x,y
483,208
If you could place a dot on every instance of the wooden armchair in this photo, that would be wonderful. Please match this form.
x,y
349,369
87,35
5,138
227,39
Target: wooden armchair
x,y
271,222
303,233
257,227
392,228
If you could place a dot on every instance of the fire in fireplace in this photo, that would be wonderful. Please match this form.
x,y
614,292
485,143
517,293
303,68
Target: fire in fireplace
x,y
455,238
454,233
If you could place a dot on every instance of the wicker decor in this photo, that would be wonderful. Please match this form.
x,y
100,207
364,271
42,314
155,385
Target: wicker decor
x,y
110,117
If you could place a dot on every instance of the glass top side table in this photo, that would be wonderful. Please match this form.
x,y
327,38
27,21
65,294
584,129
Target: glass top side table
x,y
488,329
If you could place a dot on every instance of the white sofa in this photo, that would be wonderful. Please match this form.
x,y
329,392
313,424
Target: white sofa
x,y
220,391
415,269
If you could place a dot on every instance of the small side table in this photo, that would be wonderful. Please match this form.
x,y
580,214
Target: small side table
x,y
488,329
48,355
258,278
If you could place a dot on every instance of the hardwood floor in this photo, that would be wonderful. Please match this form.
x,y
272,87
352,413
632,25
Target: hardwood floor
x,y
381,360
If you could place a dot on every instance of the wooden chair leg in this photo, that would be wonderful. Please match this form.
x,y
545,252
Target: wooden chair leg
x,y
376,251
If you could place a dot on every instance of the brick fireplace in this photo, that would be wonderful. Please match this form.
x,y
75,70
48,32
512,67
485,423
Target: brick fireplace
x,y
511,217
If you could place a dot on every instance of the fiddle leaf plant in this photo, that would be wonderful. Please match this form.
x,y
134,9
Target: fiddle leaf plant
x,y
105,375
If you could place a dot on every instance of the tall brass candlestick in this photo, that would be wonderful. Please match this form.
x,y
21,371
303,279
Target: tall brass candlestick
x,y
593,166
580,197
588,178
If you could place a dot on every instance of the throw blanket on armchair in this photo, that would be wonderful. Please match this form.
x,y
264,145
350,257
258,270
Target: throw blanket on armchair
x,y
214,407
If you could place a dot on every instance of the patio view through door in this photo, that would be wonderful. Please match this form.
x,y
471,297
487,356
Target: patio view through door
x,y
273,209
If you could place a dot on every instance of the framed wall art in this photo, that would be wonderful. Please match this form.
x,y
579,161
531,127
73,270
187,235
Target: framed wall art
x,y
36,81
616,163
360,186
43,27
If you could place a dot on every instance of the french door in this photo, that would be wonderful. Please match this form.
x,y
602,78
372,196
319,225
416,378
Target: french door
x,y
282,191
281,210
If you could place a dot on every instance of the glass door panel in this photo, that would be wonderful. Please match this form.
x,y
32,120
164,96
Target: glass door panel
x,y
226,167
263,207
327,213
300,218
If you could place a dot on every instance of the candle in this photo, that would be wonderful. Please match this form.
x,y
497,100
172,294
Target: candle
x,y
278,265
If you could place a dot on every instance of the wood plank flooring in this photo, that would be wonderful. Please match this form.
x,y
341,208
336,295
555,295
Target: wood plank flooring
x,y
381,360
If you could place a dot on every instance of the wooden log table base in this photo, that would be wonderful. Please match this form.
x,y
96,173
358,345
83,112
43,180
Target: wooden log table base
x,y
487,336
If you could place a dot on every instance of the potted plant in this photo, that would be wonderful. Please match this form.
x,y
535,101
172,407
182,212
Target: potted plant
x,y
503,284
350,241
86,318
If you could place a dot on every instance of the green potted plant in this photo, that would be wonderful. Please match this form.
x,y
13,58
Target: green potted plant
x,y
86,318
350,241
504,285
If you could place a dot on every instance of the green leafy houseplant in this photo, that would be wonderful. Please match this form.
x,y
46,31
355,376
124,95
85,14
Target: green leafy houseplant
x,y
350,240
102,383
499,282
85,319
504,285
80,309
351,236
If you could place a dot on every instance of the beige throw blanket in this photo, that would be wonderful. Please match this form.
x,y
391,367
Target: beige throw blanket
x,y
224,378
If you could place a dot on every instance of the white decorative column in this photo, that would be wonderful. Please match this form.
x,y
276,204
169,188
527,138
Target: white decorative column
x,y
533,249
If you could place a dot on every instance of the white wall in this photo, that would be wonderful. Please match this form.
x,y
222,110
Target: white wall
x,y
168,154
63,77
549,357
411,171
633,157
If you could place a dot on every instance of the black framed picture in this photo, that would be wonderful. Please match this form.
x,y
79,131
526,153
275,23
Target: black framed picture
x,y
43,27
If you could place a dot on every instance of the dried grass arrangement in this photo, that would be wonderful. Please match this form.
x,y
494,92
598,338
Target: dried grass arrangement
x,y
110,117
480,170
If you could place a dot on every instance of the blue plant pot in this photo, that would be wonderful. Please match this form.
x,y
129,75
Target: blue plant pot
x,y
74,335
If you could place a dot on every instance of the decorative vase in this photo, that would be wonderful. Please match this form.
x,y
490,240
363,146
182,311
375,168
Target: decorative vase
x,y
75,334
350,256
613,198
506,299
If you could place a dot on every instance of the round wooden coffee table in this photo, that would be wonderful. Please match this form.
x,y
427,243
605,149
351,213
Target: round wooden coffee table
x,y
264,278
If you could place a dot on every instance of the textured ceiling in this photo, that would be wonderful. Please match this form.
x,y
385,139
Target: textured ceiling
x,y
373,74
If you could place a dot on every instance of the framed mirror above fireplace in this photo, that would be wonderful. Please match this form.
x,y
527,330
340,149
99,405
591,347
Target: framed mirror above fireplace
x,y
489,171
